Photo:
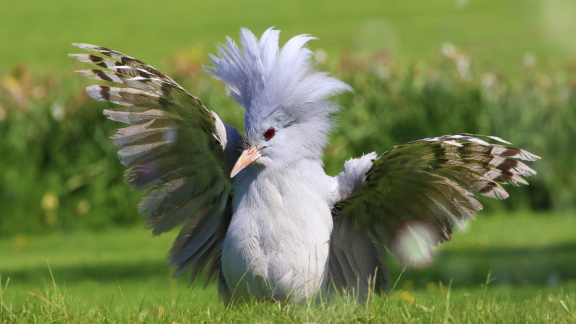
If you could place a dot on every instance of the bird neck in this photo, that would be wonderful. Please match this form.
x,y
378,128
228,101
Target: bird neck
x,y
292,167
281,181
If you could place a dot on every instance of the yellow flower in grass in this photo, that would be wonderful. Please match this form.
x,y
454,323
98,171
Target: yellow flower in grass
x,y
49,201
49,204
407,297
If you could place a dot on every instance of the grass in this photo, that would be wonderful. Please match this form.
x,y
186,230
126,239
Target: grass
x,y
121,275
493,31
95,264
449,306
517,248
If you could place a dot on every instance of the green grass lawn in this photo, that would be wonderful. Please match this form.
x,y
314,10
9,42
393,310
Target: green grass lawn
x,y
496,31
95,265
122,275
447,306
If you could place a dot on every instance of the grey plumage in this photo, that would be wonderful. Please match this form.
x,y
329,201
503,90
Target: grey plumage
x,y
258,210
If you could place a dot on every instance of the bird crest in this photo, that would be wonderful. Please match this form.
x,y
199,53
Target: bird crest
x,y
270,82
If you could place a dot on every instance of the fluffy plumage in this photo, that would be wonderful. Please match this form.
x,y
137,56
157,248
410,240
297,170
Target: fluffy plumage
x,y
281,228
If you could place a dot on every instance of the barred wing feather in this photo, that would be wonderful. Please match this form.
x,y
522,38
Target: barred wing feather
x,y
175,148
412,197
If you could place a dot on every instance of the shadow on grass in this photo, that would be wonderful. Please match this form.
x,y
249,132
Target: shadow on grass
x,y
539,266
106,272
516,266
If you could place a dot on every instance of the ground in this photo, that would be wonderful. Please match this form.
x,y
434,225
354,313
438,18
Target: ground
x,y
122,274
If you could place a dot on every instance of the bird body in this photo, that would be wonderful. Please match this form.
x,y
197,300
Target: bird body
x,y
279,233
258,209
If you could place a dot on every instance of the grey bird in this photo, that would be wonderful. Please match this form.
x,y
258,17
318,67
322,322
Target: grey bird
x,y
258,210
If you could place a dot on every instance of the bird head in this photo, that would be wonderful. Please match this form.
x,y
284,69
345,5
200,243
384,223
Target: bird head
x,y
288,115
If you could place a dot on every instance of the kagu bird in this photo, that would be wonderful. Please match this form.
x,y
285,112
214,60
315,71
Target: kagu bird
x,y
258,209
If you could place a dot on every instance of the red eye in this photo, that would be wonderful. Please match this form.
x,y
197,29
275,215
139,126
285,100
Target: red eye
x,y
270,133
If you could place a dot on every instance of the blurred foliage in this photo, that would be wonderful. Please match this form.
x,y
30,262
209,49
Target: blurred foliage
x,y
58,169
533,109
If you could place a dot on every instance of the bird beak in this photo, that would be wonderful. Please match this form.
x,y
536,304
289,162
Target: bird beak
x,y
248,156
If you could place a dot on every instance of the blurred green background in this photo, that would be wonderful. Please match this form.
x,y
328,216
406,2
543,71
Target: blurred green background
x,y
419,69
496,33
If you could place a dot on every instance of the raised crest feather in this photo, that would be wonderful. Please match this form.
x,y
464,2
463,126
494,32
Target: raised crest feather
x,y
267,80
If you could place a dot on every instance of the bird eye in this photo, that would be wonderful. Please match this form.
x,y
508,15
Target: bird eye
x,y
270,133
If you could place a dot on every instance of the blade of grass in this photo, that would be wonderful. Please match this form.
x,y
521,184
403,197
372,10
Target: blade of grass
x,y
447,310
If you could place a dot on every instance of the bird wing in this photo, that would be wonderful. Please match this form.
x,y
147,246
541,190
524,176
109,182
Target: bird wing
x,y
175,148
411,198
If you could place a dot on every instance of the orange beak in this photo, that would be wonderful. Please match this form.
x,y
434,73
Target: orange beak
x,y
248,156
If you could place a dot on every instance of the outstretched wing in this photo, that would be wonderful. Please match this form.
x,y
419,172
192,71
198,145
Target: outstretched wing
x,y
411,198
175,148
